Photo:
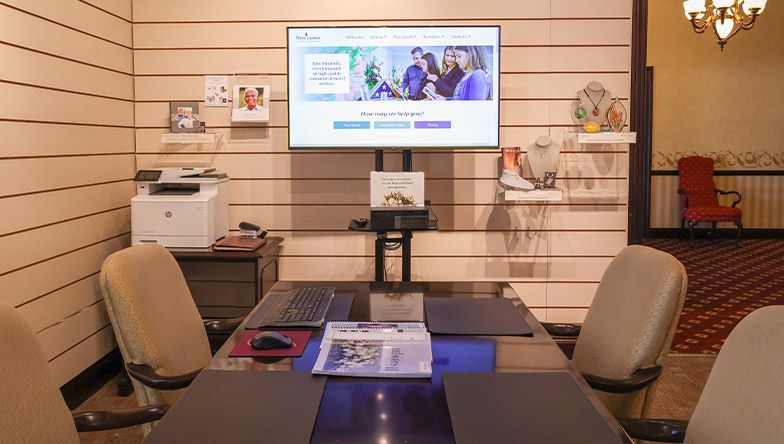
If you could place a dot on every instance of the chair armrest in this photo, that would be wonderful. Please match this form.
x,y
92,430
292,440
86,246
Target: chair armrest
x,y
115,419
222,325
724,193
639,380
147,376
554,329
659,430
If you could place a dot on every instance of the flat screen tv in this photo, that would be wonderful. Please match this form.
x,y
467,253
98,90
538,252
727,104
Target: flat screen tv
x,y
393,87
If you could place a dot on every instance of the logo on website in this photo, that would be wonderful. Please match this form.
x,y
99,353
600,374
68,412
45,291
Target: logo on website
x,y
309,38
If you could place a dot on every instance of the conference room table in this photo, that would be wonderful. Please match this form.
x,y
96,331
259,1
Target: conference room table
x,y
385,411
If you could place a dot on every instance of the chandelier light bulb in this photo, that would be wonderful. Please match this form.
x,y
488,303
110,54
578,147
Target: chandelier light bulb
x,y
748,5
724,27
694,7
723,3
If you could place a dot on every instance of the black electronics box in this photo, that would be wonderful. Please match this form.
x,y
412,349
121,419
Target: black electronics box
x,y
399,218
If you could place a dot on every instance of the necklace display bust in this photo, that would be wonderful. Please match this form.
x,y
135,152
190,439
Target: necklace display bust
x,y
543,156
591,104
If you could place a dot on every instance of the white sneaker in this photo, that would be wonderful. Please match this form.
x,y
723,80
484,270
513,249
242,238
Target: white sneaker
x,y
509,178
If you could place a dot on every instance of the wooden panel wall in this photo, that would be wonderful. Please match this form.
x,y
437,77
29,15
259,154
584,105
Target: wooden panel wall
x,y
762,204
67,162
554,255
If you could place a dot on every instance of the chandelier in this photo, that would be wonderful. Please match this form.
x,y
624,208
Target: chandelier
x,y
726,17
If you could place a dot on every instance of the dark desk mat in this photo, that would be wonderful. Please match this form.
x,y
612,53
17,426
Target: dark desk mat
x,y
479,317
243,407
540,408
338,310
243,349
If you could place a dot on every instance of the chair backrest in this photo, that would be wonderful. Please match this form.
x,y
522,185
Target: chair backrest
x,y
631,322
743,400
32,408
695,175
153,315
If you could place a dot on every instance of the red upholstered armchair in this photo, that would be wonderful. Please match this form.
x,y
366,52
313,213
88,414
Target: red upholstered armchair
x,y
700,197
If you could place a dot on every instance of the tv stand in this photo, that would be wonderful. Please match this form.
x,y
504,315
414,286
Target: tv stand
x,y
383,240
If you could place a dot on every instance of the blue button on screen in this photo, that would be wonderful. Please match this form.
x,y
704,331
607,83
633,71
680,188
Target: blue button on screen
x,y
351,124
388,124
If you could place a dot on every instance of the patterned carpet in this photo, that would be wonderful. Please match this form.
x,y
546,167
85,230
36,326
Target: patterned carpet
x,y
725,284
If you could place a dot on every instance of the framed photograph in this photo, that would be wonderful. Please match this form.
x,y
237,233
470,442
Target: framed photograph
x,y
184,117
251,103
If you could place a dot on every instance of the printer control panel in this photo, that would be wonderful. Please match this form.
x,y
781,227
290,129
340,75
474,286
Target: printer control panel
x,y
147,175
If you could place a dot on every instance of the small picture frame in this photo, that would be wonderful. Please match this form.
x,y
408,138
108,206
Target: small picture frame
x,y
184,117
549,179
251,103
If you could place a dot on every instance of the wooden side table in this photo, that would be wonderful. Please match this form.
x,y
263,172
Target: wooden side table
x,y
227,284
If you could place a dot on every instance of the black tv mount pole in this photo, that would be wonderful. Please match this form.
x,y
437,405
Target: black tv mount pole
x,y
383,241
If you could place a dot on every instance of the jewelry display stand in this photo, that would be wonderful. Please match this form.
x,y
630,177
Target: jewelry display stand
x,y
591,104
543,156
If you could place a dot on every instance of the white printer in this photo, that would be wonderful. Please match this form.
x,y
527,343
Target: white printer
x,y
180,207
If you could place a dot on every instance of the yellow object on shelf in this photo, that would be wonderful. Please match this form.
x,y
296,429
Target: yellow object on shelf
x,y
591,127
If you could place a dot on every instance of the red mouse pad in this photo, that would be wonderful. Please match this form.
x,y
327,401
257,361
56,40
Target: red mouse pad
x,y
243,348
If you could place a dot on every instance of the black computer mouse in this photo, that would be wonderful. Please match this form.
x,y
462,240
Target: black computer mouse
x,y
268,340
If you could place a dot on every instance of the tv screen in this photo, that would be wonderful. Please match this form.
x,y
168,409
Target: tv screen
x,y
393,87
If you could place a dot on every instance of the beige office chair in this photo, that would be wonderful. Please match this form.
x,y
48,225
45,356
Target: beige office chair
x,y
32,410
629,328
161,336
742,400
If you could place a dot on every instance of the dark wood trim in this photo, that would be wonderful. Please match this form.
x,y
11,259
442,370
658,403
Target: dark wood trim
x,y
92,65
725,173
639,174
71,28
502,99
724,233
87,383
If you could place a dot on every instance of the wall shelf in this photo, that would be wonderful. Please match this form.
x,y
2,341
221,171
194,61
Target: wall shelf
x,y
625,137
542,195
188,138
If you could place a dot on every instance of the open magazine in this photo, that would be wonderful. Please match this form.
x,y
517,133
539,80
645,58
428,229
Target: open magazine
x,y
375,349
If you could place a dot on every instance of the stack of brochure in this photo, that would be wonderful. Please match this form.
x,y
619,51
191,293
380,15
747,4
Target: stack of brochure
x,y
371,349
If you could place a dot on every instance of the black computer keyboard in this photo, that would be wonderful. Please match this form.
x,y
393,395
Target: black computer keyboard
x,y
304,304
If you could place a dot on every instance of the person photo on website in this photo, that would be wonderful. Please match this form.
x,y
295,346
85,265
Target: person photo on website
x,y
414,77
475,83
450,74
430,67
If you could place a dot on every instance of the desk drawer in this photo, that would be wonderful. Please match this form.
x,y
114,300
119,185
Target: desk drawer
x,y
224,294
218,271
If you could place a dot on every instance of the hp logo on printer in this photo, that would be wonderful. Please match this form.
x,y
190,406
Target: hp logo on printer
x,y
168,214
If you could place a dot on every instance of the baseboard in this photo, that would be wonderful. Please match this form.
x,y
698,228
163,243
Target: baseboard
x,y
88,382
723,233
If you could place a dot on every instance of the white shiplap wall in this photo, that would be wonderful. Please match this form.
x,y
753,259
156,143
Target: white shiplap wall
x,y
67,162
553,254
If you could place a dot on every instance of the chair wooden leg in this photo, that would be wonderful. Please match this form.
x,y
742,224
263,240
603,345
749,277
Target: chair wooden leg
x,y
691,232
713,230
740,230
124,385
